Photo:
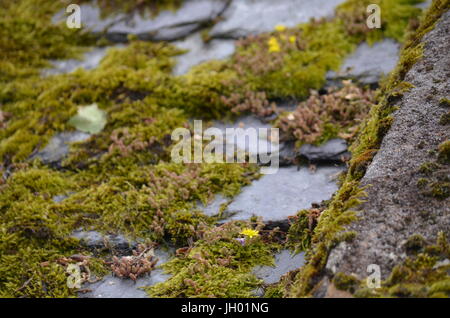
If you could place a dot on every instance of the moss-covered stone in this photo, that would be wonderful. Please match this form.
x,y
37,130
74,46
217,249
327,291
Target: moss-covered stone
x,y
329,230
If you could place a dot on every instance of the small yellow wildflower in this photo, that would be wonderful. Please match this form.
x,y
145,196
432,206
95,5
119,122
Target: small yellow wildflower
x,y
250,233
274,46
280,28
292,39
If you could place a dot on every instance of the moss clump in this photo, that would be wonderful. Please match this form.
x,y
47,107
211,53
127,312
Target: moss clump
x,y
422,182
415,243
323,117
302,228
346,282
444,152
445,119
440,190
33,230
428,168
218,265
396,16
444,102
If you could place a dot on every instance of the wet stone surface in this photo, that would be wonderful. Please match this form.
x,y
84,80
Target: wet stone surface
x,y
114,287
168,25
89,61
368,63
241,141
276,196
199,52
214,207
284,263
97,241
249,17
58,146
335,150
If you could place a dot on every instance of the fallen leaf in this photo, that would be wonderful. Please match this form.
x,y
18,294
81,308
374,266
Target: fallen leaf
x,y
89,119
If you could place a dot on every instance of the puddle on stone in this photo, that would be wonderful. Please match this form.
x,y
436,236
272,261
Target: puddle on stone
x,y
199,52
115,287
274,197
368,63
249,17
89,61
284,263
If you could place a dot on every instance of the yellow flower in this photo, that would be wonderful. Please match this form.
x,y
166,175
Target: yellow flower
x,y
250,233
292,39
280,28
274,46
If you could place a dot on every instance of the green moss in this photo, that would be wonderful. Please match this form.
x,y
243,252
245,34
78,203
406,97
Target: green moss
x,y
422,182
217,265
346,282
275,291
445,102
440,190
32,231
300,233
395,17
156,201
109,8
415,243
428,168
444,152
28,39
445,119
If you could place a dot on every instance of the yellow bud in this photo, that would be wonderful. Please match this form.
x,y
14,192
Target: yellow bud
x,y
280,28
274,46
